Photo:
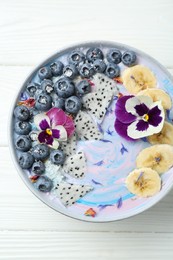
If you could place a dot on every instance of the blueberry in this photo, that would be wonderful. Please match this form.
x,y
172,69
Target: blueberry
x,y
33,112
44,184
57,157
40,152
114,56
43,102
22,128
64,87
31,88
25,160
47,86
56,68
59,102
38,168
76,57
99,66
70,71
21,113
44,73
129,58
73,104
83,87
94,54
23,143
112,70
86,71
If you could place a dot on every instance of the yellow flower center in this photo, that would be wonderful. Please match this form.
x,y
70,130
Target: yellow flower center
x,y
146,117
48,131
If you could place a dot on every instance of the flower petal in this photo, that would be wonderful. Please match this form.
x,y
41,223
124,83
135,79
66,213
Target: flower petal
x,y
40,117
49,140
155,116
134,101
120,111
69,126
141,109
142,125
146,100
57,116
44,124
55,144
55,133
134,132
121,129
62,133
43,137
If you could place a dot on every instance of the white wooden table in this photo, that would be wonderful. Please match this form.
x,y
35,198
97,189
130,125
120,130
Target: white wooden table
x,y
29,32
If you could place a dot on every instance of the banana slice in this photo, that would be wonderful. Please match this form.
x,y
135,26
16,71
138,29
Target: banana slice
x,y
158,157
138,78
164,137
143,182
156,95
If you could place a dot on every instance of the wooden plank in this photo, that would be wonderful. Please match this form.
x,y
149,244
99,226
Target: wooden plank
x,y
21,210
32,30
9,87
85,245
11,79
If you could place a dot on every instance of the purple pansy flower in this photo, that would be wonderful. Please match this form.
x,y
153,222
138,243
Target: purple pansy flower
x,y
55,126
137,117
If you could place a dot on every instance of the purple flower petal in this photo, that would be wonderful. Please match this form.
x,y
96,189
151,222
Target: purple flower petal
x,y
55,133
120,111
62,133
122,130
49,140
99,163
141,109
40,117
44,124
43,137
69,126
155,121
119,203
154,116
57,116
154,111
142,125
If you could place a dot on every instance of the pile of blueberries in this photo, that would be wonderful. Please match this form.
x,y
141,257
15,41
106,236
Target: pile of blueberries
x,y
62,94
68,94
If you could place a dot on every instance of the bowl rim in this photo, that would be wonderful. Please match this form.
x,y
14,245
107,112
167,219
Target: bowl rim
x,y
10,126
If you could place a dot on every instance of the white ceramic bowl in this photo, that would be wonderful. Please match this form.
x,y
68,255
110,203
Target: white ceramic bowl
x,y
131,206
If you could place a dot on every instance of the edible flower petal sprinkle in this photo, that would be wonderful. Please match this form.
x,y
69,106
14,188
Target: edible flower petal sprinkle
x,y
90,213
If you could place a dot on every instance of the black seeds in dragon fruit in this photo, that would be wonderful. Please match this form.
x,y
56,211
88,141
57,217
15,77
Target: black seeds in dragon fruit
x,y
69,193
97,103
75,165
69,147
86,128
103,83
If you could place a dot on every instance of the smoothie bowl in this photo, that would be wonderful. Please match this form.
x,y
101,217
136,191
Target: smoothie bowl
x,y
91,131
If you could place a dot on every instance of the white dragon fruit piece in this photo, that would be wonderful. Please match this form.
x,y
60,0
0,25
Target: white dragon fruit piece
x,y
75,165
97,103
69,147
86,128
103,83
69,193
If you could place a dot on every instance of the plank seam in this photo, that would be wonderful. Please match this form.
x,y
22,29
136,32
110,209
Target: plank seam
x,y
83,231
